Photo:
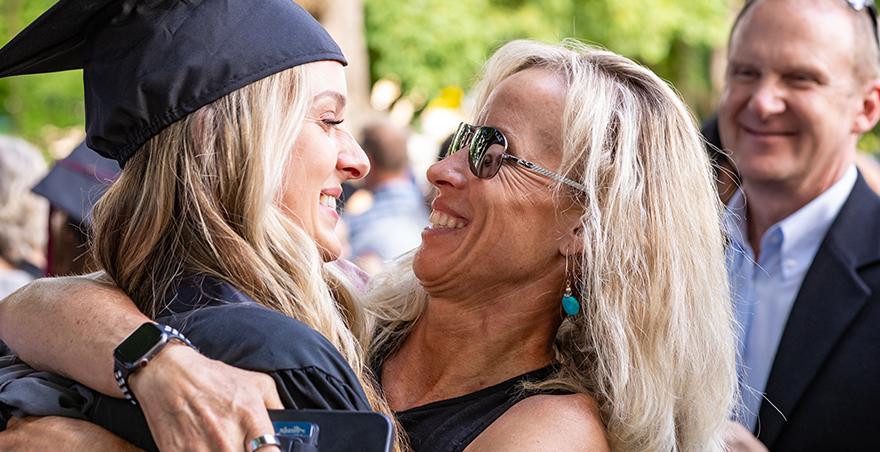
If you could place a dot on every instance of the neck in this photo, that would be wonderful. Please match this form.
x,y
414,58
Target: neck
x,y
769,203
6,265
460,346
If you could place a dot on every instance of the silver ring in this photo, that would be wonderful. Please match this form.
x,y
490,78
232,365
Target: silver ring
x,y
261,441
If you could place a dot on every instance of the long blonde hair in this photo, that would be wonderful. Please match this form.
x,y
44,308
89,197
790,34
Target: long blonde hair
x,y
655,342
202,196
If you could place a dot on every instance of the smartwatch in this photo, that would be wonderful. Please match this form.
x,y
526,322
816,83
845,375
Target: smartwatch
x,y
138,349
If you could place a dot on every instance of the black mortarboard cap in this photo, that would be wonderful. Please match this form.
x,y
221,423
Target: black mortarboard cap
x,y
76,183
149,63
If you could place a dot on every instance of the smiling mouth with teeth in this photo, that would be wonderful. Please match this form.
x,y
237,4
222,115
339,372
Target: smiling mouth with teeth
x,y
328,201
441,220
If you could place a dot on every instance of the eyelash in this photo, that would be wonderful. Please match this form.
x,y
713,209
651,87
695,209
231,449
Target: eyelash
x,y
333,122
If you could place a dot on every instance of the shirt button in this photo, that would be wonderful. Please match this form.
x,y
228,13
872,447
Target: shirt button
x,y
790,263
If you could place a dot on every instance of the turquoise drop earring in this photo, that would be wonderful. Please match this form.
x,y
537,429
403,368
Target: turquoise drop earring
x,y
570,304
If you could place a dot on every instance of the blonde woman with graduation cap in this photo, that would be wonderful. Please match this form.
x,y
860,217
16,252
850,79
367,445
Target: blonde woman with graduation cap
x,y
226,116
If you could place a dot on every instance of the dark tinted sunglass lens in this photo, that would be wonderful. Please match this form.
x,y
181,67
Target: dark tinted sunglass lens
x,y
461,139
485,154
491,162
454,144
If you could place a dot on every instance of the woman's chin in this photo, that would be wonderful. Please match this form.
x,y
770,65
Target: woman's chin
x,y
330,249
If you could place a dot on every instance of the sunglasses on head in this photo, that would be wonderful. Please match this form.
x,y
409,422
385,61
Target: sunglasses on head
x,y
487,150
871,6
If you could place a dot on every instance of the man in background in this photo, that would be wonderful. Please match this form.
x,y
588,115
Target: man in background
x,y
803,84
393,222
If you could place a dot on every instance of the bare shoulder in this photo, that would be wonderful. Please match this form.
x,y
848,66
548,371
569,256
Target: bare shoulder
x,y
547,422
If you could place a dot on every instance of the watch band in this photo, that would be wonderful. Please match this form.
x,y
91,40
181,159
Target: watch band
x,y
122,369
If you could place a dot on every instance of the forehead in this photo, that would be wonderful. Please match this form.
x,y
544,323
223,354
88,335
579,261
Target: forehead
x,y
528,106
801,32
326,76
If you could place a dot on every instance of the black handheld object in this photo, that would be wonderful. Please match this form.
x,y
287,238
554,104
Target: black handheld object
x,y
297,436
364,431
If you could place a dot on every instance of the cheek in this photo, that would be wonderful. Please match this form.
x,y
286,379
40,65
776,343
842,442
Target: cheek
x,y
523,218
312,163
300,188
817,117
732,100
293,198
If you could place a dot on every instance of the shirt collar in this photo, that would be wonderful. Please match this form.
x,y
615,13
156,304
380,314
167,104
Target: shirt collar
x,y
801,232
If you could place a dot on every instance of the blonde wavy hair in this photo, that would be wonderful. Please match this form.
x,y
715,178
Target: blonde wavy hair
x,y
655,343
203,196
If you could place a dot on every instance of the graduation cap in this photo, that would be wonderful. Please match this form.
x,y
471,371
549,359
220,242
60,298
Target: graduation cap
x,y
75,183
149,63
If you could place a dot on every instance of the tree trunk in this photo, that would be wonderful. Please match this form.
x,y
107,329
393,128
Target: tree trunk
x,y
344,19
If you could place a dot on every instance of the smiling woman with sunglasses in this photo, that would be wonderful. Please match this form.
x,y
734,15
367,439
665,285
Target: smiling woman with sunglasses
x,y
570,293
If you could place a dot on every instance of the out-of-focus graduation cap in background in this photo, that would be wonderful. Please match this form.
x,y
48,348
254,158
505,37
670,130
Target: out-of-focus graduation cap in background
x,y
149,63
76,183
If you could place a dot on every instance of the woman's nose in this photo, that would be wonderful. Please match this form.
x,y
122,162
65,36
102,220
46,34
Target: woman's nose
x,y
352,160
451,171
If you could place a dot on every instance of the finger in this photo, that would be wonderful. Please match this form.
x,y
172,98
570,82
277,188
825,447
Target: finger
x,y
262,426
270,395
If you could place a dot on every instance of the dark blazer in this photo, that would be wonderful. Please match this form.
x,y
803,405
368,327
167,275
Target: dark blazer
x,y
825,378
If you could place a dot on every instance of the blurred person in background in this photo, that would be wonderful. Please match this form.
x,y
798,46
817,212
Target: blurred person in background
x,y
802,86
393,222
23,215
72,187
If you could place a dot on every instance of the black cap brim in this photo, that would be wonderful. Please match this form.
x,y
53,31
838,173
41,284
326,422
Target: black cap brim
x,y
56,40
76,183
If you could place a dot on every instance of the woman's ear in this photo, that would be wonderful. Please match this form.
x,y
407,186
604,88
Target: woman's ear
x,y
572,242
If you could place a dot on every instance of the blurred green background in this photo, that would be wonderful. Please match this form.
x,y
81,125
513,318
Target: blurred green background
x,y
426,46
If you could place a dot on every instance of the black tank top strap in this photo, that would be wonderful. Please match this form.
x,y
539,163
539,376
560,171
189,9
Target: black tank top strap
x,y
452,424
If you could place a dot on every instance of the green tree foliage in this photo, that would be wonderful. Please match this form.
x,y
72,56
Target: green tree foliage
x,y
428,44
29,103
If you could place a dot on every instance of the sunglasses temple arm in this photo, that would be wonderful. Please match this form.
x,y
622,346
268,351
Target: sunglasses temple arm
x,y
550,174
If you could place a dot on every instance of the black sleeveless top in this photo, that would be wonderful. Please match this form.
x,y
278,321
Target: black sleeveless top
x,y
451,425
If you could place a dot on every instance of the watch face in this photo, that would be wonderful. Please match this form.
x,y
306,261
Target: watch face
x,y
139,343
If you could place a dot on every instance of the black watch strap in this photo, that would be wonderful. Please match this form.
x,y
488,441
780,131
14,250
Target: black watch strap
x,y
145,342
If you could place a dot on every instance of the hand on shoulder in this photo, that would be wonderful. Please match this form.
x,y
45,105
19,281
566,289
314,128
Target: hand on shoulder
x,y
546,422
195,403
